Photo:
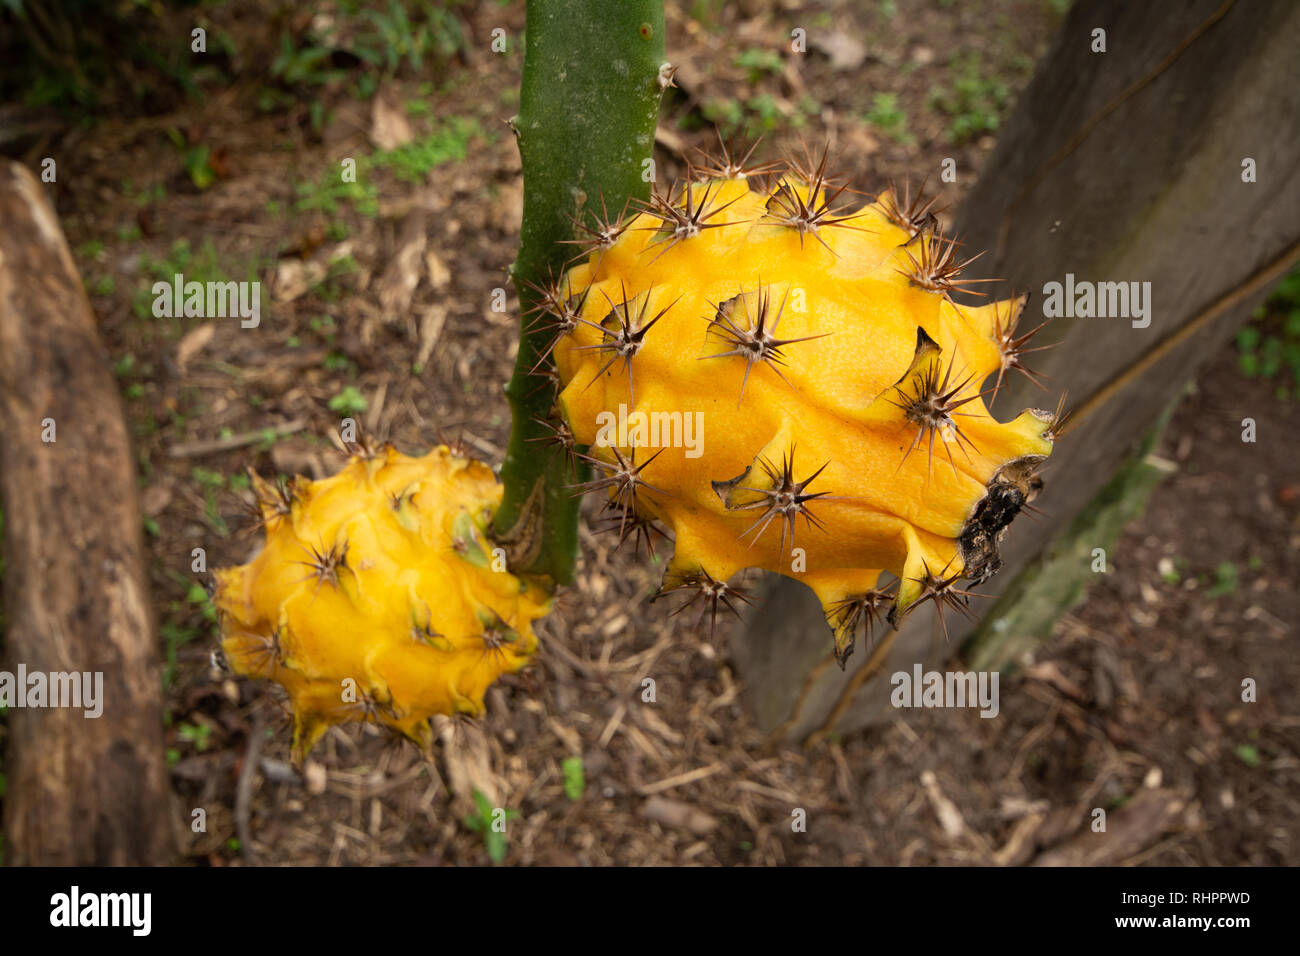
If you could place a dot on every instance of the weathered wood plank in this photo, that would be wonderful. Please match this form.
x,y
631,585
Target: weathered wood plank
x,y
1116,166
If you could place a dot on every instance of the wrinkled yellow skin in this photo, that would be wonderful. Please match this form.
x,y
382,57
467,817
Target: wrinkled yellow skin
x,y
401,630
884,511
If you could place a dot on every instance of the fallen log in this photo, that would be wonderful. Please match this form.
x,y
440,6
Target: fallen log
x,y
87,781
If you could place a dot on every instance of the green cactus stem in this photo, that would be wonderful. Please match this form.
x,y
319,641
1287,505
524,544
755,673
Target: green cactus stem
x,y
594,72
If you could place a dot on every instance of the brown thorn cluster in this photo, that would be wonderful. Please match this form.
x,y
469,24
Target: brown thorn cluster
x,y
716,594
633,525
424,633
812,171
279,505
862,609
325,565
458,446
550,379
603,234
556,313
368,708
915,215
560,436
808,215
550,301
757,342
936,267
269,653
365,446
785,500
677,223
726,165
398,498
932,407
623,476
623,341
1056,428
1013,348
943,591
496,634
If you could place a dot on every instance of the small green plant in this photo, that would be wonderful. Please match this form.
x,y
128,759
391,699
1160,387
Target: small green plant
x,y
326,193
211,482
1270,345
396,39
1170,575
202,265
764,109
727,115
491,822
707,12
575,777
760,113
409,163
196,158
337,362
198,595
758,63
1225,580
197,734
386,40
349,402
975,103
302,66
888,117
413,161
1247,754
142,196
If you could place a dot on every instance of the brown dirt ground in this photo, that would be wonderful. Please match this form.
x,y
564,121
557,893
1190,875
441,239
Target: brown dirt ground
x,y
1135,686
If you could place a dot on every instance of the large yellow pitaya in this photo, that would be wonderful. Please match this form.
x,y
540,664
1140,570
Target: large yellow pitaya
x,y
788,384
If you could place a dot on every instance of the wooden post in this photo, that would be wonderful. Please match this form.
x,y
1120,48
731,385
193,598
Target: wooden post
x,y
81,789
1131,165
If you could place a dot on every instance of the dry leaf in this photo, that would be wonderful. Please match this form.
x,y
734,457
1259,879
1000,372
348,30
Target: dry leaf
x,y
397,284
845,52
437,271
191,343
389,127
680,816
293,278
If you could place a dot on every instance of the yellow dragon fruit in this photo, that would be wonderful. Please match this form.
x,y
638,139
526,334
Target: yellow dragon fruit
x,y
378,596
791,385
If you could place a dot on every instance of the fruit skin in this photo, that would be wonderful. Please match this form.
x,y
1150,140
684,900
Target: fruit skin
x,y
852,428
375,597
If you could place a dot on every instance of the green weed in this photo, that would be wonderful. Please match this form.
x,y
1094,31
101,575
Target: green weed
x,y
491,823
888,117
758,63
975,103
349,403
1270,345
575,777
